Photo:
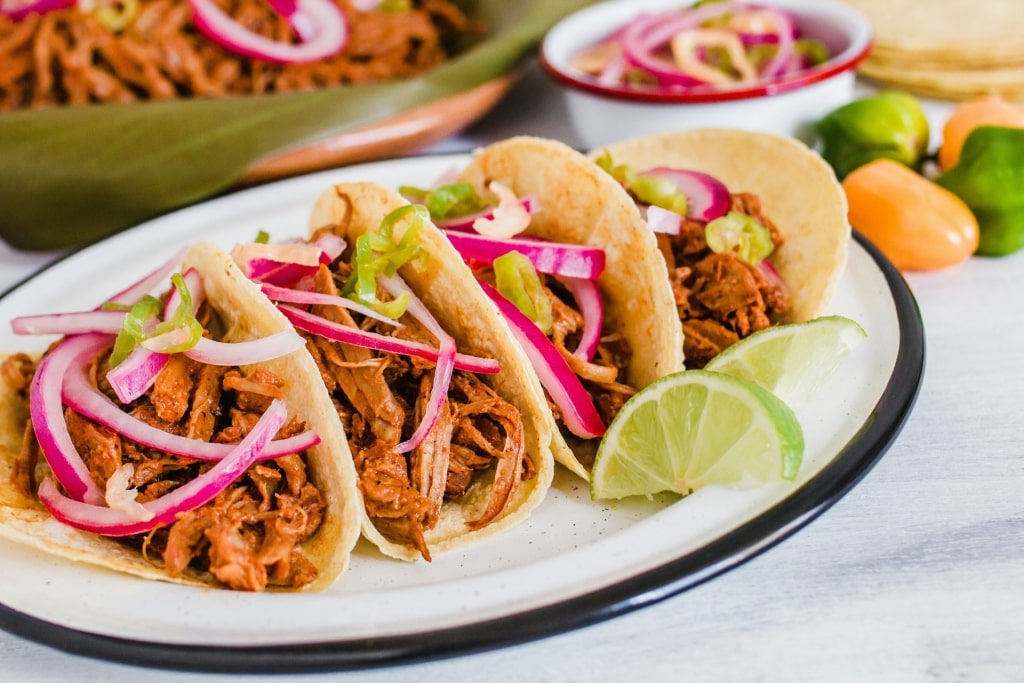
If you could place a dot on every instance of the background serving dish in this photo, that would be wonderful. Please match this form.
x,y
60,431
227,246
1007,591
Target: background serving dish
x,y
786,106
75,174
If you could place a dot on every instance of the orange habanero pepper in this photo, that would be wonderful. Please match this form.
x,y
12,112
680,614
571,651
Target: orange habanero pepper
x,y
917,224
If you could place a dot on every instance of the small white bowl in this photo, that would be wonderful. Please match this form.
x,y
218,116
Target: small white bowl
x,y
603,114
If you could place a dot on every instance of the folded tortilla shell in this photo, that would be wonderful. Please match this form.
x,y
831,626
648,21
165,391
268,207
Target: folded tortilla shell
x,y
581,204
447,287
246,314
799,193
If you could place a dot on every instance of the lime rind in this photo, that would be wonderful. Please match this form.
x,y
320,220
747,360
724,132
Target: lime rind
x,y
693,429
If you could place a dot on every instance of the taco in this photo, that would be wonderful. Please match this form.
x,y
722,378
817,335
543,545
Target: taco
x,y
760,235
576,274
444,423
186,449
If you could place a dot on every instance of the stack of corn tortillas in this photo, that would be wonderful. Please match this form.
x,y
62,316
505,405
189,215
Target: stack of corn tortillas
x,y
948,49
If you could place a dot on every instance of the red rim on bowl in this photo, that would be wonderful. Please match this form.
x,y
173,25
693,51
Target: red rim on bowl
x,y
858,43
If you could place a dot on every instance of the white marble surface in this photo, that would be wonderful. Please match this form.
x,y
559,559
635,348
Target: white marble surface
x,y
916,575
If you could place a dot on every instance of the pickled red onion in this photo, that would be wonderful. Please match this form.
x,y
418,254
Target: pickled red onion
x,y
663,221
445,360
327,329
18,12
318,23
47,414
563,386
707,197
78,322
588,298
647,35
553,258
80,395
93,517
259,350
296,296
135,374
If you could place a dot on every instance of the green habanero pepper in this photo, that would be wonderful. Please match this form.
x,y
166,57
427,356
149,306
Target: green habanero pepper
x,y
989,178
888,125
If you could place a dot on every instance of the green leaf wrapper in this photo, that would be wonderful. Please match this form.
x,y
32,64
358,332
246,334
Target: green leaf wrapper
x,y
72,175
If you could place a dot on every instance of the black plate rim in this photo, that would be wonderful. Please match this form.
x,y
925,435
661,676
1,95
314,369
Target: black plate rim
x,y
768,529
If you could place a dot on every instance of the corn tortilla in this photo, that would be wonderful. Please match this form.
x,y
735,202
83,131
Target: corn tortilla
x,y
447,287
798,192
246,315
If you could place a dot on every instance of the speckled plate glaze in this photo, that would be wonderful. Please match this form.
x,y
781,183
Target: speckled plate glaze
x,y
573,563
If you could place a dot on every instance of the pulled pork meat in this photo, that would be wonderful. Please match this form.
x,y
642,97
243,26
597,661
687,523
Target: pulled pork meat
x,y
249,536
380,398
720,297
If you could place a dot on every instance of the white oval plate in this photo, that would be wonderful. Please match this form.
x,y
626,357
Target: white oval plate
x,y
573,562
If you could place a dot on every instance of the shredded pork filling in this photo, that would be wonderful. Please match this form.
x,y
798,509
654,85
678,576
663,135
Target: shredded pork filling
x,y
720,297
249,536
68,57
380,398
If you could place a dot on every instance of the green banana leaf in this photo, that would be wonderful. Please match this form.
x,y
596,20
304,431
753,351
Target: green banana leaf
x,y
73,175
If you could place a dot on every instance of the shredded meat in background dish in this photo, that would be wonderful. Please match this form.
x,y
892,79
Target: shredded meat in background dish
x,y
380,398
67,57
720,297
248,537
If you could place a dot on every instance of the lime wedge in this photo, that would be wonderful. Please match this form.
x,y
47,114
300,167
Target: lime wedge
x,y
693,429
791,361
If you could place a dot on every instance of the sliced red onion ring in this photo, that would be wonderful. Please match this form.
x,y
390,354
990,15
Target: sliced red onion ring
x,y
47,414
707,197
613,72
204,488
278,272
465,223
79,322
663,221
135,374
297,296
82,397
314,324
331,247
397,287
554,258
286,264
563,386
321,18
588,298
17,11
194,282
259,350
780,63
647,34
